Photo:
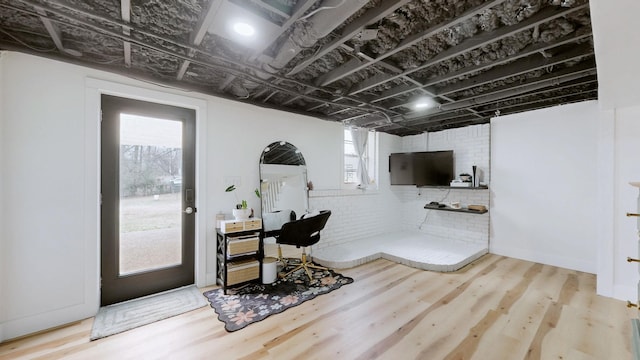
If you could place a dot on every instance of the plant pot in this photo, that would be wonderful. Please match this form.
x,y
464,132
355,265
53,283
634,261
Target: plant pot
x,y
241,214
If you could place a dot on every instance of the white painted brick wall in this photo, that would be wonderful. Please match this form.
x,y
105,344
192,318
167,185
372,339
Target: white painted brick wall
x,y
450,225
471,146
357,214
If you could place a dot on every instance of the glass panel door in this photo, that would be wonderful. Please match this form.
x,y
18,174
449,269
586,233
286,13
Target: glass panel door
x,y
150,193
148,198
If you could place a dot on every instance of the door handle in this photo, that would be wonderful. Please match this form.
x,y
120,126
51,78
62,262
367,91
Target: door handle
x,y
190,210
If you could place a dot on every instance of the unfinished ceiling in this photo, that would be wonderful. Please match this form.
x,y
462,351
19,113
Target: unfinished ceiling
x,y
401,67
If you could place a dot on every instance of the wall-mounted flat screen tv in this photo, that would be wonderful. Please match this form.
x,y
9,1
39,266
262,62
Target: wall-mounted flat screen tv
x,y
427,168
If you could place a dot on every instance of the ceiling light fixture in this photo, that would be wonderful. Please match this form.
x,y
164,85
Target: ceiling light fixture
x,y
424,103
244,29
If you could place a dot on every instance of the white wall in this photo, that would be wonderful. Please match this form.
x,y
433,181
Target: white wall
x,y
616,51
3,285
43,208
625,229
544,186
619,99
48,140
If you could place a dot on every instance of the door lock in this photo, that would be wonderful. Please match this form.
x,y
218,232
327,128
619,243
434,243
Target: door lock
x,y
189,210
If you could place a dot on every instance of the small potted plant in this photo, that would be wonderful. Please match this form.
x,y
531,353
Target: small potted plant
x,y
242,210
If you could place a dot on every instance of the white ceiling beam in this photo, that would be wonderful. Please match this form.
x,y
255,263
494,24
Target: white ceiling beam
x,y
226,82
53,31
299,9
125,12
271,8
204,23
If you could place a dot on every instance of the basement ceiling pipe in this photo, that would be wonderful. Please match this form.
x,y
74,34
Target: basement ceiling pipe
x,y
482,99
330,15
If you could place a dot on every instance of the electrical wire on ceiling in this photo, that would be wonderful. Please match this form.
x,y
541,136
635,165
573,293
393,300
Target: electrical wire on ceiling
x,y
27,45
321,9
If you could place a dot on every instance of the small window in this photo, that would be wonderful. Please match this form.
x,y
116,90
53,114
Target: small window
x,y
351,162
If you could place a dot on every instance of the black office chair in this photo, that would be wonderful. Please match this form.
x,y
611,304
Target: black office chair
x,y
302,233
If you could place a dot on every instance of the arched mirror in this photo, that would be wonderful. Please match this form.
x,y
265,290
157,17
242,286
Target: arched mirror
x,y
283,185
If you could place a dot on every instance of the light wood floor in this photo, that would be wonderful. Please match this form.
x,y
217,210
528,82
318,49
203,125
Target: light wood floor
x,y
495,308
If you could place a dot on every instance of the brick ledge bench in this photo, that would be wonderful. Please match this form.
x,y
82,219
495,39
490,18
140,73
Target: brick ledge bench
x,y
413,249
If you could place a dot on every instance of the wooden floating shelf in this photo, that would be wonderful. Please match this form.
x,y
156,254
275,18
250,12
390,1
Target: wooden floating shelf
x,y
469,211
455,187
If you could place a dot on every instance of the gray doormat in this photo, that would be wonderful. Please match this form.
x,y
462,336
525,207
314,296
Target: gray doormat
x,y
116,318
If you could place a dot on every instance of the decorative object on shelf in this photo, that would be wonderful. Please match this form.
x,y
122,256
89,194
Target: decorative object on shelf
x,y
478,207
241,214
254,302
242,210
475,181
464,177
472,209
460,183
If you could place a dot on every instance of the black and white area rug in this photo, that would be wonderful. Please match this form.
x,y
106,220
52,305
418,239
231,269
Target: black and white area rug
x,y
254,302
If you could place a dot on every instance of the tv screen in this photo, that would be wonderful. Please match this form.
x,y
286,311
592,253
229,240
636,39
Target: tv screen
x,y
401,169
429,168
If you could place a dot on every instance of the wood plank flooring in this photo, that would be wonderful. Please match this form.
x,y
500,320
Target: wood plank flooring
x,y
495,308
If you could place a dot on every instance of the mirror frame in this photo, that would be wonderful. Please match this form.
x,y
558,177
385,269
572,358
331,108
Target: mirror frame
x,y
288,158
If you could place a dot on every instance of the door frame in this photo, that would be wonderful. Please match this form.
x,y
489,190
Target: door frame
x,y
94,88
117,287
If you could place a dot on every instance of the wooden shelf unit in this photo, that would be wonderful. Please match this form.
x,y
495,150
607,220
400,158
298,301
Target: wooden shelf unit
x,y
239,254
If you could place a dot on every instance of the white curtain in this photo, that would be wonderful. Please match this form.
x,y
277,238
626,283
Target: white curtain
x,y
359,137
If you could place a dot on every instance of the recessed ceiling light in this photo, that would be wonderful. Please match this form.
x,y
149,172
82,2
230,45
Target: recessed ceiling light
x,y
424,103
244,29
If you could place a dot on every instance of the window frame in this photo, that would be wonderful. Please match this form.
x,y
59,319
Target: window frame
x,y
371,156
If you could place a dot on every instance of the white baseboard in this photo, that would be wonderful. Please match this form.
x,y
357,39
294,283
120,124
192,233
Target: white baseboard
x,y
11,329
545,258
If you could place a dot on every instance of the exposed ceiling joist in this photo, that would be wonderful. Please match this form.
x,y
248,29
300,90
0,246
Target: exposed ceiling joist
x,y
346,70
506,93
518,67
528,51
478,41
330,69
584,71
372,15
